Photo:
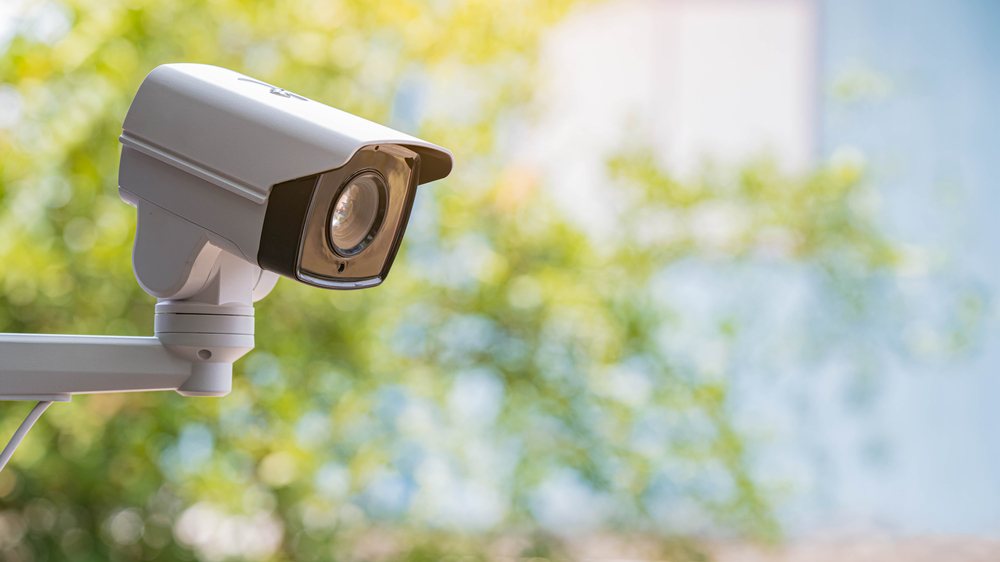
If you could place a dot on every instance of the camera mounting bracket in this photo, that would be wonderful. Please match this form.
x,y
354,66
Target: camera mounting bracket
x,y
204,322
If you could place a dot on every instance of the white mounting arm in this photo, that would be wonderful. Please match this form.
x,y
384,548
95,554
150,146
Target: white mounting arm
x,y
204,322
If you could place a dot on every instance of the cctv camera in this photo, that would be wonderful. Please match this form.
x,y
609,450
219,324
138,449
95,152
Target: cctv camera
x,y
216,161
236,182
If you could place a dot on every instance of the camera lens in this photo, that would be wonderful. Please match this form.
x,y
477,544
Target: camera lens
x,y
357,214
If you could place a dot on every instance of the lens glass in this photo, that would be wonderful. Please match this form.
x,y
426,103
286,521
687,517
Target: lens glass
x,y
357,213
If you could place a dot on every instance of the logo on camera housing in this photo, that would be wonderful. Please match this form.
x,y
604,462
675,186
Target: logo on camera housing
x,y
280,92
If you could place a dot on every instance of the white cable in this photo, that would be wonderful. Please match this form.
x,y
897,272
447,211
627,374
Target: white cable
x,y
29,421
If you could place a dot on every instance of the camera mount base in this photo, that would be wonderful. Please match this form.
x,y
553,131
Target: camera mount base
x,y
197,339
204,322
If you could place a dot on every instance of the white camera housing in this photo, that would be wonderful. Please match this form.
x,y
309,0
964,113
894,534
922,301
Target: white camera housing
x,y
213,155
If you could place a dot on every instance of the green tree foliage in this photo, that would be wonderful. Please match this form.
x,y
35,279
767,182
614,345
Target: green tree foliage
x,y
509,367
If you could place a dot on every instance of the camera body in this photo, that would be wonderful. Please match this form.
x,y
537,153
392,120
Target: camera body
x,y
216,161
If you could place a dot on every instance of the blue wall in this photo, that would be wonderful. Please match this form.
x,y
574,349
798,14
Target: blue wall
x,y
932,141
